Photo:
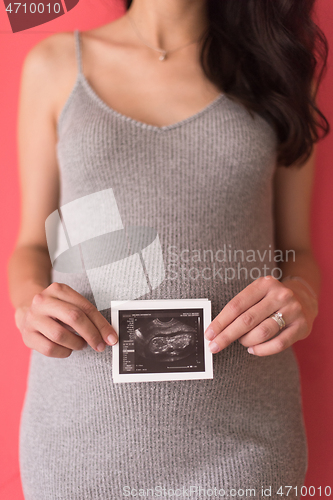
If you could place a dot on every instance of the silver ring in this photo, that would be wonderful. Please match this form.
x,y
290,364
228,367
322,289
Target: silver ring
x,y
279,320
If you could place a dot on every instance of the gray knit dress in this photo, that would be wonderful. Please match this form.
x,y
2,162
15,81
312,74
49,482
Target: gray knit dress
x,y
205,184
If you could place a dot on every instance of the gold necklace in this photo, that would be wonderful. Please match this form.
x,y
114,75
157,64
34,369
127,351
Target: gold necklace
x,y
162,51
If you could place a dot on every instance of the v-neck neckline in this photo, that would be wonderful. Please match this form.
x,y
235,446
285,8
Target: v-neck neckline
x,y
92,93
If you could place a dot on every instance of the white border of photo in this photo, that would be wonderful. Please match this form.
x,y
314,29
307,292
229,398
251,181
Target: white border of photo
x,y
140,305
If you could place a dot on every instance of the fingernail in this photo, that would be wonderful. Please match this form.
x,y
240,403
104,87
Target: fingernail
x,y
112,339
250,350
100,347
213,346
209,334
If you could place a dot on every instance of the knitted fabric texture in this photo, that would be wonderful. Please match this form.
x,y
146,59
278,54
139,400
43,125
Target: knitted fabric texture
x,y
205,184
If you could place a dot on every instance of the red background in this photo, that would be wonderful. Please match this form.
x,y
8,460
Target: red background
x,y
313,354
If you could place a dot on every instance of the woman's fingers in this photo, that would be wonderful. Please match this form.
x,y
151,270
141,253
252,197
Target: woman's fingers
x,y
267,328
252,324
37,341
61,302
66,293
279,343
244,300
296,329
71,315
57,332
61,320
247,322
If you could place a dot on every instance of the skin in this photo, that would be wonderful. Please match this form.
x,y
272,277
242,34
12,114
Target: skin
x,y
162,94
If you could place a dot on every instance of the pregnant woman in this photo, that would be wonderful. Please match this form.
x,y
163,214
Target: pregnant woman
x,y
201,118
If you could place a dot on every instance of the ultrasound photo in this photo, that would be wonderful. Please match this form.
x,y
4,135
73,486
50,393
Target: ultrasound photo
x,y
161,340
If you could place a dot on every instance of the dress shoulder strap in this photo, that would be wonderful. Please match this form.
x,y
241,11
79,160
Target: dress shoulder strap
x,y
78,50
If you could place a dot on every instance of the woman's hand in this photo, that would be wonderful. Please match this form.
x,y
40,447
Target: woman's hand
x,y
246,317
48,325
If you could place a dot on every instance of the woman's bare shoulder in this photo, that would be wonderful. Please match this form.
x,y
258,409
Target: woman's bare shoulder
x,y
52,53
50,68
56,53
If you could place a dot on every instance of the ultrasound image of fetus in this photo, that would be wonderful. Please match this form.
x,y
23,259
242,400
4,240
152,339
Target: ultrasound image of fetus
x,y
165,340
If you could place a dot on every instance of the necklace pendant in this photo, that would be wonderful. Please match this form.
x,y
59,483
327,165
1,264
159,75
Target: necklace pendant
x,y
162,56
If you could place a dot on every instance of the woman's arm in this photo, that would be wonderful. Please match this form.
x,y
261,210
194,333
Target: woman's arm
x,y
29,266
42,310
293,194
247,316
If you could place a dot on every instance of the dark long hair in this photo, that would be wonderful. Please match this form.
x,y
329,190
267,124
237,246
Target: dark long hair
x,y
270,55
